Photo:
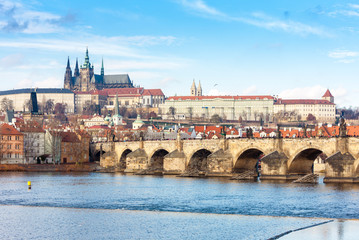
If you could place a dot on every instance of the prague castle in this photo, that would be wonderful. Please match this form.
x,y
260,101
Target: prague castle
x,y
84,78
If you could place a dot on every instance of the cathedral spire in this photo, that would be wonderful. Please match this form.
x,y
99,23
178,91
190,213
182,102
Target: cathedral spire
x,y
68,62
199,89
102,69
87,60
76,71
117,109
193,89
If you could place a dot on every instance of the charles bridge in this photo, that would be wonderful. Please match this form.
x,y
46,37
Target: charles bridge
x,y
281,158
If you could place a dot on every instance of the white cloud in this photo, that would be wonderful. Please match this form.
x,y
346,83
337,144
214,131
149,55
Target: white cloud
x,y
12,60
18,17
313,92
50,82
201,7
216,92
258,19
250,90
131,64
341,94
111,46
342,54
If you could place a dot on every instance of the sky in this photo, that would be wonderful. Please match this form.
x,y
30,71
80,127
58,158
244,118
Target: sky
x,y
290,49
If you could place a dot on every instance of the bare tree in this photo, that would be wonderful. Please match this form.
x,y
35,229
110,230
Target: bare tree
x,y
6,104
49,106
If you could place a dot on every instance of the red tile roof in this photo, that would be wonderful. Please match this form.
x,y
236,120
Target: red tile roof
x,y
260,97
303,101
6,129
327,94
69,137
153,92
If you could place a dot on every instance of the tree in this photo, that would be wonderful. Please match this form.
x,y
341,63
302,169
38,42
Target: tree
x,y
28,105
53,145
90,108
172,112
49,106
216,118
311,117
60,112
6,104
190,113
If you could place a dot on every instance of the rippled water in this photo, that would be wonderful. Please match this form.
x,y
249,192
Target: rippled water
x,y
151,207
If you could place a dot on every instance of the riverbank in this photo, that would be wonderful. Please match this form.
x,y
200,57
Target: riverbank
x,y
70,167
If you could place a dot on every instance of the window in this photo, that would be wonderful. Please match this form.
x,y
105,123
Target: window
x,y
9,146
8,137
9,155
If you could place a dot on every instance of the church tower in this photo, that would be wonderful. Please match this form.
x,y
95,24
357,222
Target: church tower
x,y
199,89
328,96
102,69
76,71
193,89
86,73
68,76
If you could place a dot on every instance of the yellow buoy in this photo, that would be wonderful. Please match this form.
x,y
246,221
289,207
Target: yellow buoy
x,y
29,184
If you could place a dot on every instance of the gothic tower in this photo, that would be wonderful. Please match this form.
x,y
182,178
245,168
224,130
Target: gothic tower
x,y
86,73
102,69
199,89
76,71
68,76
193,89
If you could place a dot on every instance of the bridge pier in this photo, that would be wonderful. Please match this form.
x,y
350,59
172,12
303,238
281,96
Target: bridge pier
x,y
340,168
219,163
174,162
274,166
136,160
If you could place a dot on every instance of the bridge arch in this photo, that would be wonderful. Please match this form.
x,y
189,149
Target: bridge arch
x,y
157,157
122,160
198,160
302,161
247,159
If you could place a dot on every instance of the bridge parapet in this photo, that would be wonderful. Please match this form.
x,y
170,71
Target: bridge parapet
x,y
230,155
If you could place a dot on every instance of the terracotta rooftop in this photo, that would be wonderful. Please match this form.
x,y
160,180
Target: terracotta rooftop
x,y
259,97
153,92
69,137
6,129
303,101
327,94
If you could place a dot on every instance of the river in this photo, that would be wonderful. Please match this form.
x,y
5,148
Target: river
x,y
116,206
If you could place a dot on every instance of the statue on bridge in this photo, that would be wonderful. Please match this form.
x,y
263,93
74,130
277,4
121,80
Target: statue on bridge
x,y
279,134
342,127
249,132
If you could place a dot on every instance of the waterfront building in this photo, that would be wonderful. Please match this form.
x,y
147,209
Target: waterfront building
x,y
19,98
84,78
11,145
34,140
323,110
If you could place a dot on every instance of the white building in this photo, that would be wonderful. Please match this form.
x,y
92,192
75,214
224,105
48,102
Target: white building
x,y
323,110
20,97
249,108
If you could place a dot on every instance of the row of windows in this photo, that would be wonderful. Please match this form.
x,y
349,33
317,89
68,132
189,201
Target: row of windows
x,y
9,155
9,138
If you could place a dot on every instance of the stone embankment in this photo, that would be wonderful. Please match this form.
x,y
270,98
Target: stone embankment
x,y
84,167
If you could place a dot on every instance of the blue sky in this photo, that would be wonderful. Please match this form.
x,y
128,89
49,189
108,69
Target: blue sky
x,y
294,49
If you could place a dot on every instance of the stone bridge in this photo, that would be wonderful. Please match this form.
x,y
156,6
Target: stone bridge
x,y
281,158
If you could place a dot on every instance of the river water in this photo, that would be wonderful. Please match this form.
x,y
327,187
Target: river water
x,y
116,206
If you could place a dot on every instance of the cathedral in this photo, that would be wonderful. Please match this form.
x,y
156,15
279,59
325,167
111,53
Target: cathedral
x,y
84,78
196,91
